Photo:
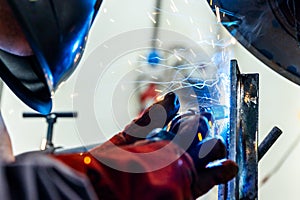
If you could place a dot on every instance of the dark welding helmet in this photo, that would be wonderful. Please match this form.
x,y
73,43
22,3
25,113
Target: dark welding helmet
x,y
269,29
57,33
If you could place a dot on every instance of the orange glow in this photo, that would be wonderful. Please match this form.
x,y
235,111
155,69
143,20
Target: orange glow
x,y
200,136
210,124
87,160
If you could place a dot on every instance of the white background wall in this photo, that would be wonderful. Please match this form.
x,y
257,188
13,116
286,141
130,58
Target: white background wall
x,y
278,101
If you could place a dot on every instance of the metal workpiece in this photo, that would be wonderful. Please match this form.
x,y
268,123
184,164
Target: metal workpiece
x,y
242,136
268,141
247,135
228,191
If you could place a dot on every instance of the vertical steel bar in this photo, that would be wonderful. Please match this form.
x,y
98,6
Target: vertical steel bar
x,y
247,134
242,136
228,191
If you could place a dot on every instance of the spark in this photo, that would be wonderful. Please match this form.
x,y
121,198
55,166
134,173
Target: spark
x,y
159,42
173,9
168,22
175,78
143,57
193,53
218,14
112,20
210,124
73,95
199,33
191,20
213,43
200,137
183,83
154,77
176,55
77,56
159,98
151,18
138,70
210,29
129,62
173,6
43,144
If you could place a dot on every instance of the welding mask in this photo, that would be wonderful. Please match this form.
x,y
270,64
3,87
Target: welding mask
x,y
57,33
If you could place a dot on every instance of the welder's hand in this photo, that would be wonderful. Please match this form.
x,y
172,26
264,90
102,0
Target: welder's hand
x,y
190,128
184,156
155,170
193,133
211,166
157,115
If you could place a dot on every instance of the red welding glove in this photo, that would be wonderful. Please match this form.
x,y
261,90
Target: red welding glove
x,y
130,167
193,132
157,115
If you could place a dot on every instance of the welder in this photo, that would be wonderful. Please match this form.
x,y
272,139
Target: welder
x,y
41,43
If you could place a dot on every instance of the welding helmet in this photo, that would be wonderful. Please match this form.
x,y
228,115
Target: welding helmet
x,y
269,29
57,33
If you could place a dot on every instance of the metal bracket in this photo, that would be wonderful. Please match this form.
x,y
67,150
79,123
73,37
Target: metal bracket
x,y
242,137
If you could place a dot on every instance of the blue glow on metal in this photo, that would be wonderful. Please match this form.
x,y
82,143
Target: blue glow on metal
x,y
75,46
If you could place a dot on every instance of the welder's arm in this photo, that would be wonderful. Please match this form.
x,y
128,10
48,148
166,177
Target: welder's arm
x,y
130,167
178,180
6,153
